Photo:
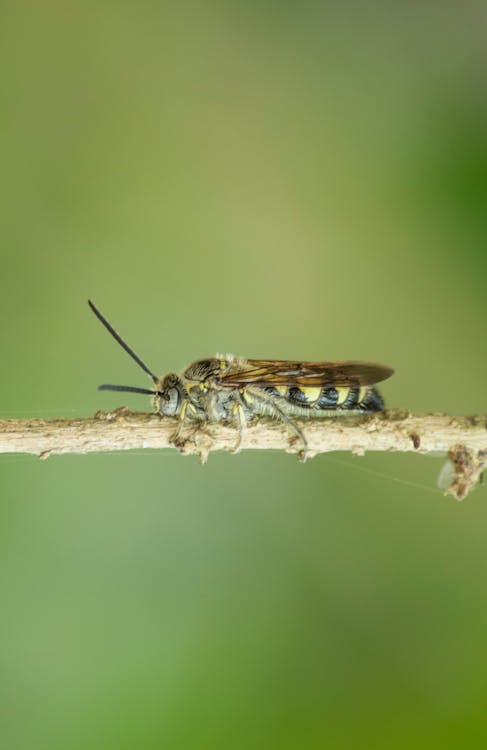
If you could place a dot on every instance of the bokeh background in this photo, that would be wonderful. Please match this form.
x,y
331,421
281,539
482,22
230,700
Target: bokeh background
x,y
272,179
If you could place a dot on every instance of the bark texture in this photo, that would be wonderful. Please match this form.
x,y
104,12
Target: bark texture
x,y
462,439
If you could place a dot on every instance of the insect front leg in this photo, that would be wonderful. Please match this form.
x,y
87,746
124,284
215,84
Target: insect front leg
x,y
187,411
182,416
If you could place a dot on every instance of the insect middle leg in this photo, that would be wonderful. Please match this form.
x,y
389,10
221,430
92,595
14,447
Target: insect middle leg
x,y
238,414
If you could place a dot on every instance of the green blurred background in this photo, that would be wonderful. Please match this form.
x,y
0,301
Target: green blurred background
x,y
276,180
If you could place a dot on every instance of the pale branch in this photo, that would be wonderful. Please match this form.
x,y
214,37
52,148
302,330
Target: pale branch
x,y
462,439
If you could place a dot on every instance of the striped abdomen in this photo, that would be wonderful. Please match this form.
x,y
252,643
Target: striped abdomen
x,y
321,402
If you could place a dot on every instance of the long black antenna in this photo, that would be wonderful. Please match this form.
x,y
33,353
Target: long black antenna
x,y
125,346
127,389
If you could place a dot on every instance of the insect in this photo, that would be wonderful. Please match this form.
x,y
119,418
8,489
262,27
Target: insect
x,y
232,389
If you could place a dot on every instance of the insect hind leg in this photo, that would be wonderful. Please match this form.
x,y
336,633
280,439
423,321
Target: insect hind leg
x,y
274,408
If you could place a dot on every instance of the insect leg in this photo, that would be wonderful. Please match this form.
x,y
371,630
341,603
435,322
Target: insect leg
x,y
239,414
270,401
182,418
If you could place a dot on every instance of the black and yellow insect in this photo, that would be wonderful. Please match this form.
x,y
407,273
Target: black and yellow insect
x,y
234,389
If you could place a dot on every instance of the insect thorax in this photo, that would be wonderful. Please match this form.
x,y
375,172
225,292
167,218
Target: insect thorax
x,y
207,399
195,393
203,369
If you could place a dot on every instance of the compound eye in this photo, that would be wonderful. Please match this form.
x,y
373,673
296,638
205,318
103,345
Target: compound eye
x,y
169,401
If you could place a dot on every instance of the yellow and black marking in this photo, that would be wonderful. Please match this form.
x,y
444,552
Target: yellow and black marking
x,y
323,401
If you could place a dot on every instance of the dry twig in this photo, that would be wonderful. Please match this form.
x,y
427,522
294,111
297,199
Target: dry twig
x,y
462,439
